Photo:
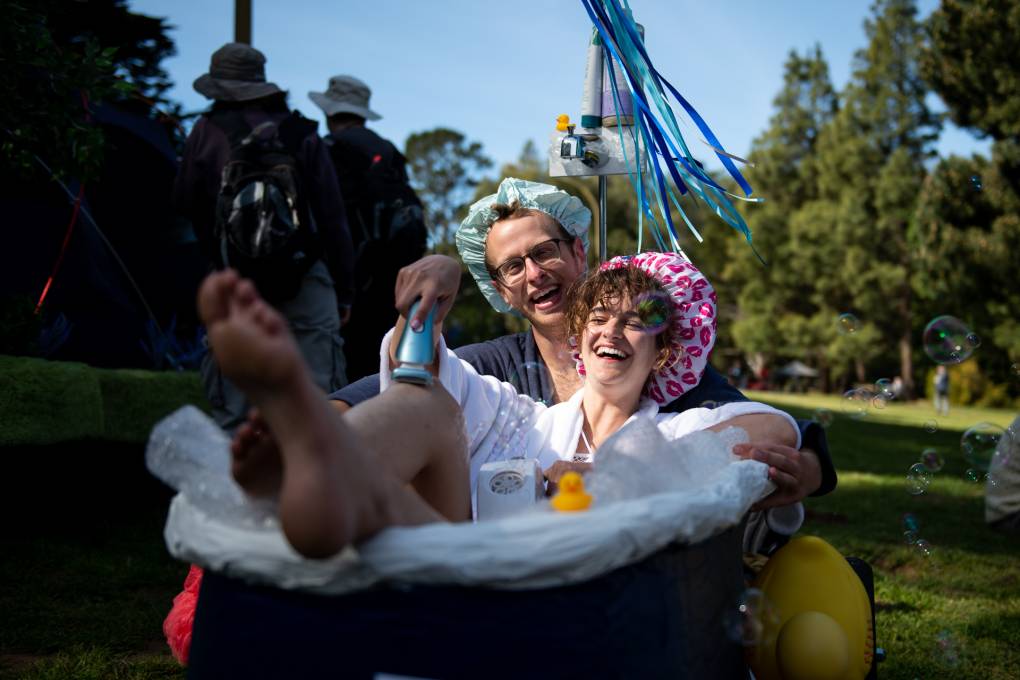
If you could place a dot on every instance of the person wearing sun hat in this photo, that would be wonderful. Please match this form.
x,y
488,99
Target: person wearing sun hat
x,y
345,94
243,100
386,217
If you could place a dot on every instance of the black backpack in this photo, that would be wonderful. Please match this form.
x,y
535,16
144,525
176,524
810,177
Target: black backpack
x,y
264,227
385,216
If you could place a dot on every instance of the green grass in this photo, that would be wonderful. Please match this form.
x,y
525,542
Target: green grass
x,y
969,585
43,402
85,580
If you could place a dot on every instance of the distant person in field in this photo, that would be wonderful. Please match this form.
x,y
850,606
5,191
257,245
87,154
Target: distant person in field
x,y
942,391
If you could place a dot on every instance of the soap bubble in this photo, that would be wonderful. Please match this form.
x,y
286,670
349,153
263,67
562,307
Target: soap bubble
x,y
856,403
910,537
530,377
978,444
910,522
946,340
753,621
880,402
923,547
974,340
884,388
972,475
975,181
823,417
990,480
653,309
847,323
1016,370
932,460
918,479
931,426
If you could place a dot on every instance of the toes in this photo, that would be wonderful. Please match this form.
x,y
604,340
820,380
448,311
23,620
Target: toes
x,y
246,293
267,317
214,295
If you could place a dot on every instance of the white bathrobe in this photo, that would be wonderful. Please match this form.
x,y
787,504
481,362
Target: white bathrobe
x,y
501,424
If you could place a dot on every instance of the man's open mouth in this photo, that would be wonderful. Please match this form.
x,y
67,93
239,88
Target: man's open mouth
x,y
546,298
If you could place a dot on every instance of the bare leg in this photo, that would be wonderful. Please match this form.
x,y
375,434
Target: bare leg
x,y
333,492
433,460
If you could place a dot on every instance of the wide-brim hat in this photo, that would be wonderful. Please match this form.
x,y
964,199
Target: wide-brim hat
x,y
237,73
691,303
345,94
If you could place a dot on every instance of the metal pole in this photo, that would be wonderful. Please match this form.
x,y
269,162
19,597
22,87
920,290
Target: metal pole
x,y
602,219
242,21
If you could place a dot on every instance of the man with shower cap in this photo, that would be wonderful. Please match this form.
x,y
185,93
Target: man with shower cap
x,y
524,246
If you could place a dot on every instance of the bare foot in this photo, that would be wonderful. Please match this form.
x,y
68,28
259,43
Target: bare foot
x,y
255,457
332,490
250,340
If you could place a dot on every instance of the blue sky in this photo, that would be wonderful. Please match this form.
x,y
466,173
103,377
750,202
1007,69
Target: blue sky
x,y
501,72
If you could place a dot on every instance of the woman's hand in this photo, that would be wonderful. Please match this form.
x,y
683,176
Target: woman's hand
x,y
554,472
796,474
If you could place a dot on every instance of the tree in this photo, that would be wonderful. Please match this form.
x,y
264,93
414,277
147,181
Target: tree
x,y
871,167
48,86
973,61
58,59
444,169
779,303
969,252
967,230
140,42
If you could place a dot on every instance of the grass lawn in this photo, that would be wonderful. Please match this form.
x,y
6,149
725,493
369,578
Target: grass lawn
x,y
966,588
85,580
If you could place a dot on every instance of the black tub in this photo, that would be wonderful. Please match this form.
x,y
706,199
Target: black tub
x,y
659,618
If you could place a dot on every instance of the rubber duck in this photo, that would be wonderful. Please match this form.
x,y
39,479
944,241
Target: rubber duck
x,y
823,629
562,122
571,496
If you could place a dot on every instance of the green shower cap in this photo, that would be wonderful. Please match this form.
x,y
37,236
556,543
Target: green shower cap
x,y
567,210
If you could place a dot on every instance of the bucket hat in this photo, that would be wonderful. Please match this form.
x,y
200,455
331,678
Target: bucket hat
x,y
345,94
237,73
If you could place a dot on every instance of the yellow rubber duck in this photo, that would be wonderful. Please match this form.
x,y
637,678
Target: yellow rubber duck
x,y
571,496
823,628
562,121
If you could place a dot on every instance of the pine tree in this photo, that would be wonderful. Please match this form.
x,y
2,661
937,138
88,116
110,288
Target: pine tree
x,y
775,306
871,162
967,230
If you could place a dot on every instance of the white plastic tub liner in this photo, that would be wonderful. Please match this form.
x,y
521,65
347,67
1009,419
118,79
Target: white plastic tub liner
x,y
682,492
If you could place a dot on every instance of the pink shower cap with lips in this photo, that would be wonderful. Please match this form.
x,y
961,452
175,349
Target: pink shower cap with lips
x,y
693,323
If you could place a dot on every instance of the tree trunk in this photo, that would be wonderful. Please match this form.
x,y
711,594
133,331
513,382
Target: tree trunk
x,y
906,348
907,366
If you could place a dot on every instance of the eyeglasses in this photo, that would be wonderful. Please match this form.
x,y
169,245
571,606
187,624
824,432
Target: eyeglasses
x,y
544,254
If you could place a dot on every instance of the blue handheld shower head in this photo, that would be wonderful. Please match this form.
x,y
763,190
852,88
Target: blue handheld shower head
x,y
416,350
